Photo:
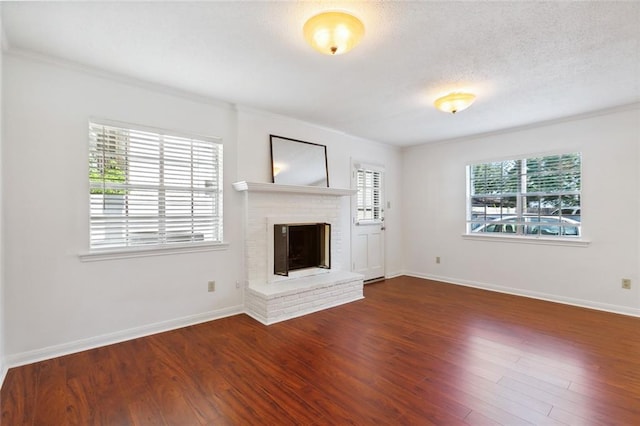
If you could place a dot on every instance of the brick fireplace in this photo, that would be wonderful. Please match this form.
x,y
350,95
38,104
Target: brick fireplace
x,y
272,297
299,246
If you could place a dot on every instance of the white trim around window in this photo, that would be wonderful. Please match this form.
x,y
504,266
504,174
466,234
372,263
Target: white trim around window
x,y
152,191
128,253
369,203
535,198
573,242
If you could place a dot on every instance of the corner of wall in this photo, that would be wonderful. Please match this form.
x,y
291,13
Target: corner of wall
x,y
3,367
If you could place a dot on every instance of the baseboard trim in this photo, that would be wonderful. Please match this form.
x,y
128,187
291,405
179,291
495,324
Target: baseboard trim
x,y
49,352
29,357
3,372
614,309
393,275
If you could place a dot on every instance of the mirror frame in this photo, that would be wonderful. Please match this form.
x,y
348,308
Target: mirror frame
x,y
283,142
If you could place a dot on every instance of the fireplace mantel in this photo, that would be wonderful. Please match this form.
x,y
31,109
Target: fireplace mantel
x,y
295,189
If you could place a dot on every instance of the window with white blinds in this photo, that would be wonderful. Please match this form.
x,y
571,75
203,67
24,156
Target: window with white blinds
x,y
537,196
153,188
368,184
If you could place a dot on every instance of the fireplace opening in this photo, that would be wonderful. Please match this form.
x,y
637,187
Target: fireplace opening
x,y
301,246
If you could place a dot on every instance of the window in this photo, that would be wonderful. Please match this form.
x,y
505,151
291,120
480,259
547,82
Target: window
x,y
368,184
153,188
530,197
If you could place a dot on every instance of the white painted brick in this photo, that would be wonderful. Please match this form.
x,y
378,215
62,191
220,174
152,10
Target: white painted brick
x,y
261,206
305,306
290,310
274,313
320,302
276,307
292,297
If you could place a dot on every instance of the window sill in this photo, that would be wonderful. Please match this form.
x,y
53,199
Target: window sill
x,y
369,222
571,242
126,253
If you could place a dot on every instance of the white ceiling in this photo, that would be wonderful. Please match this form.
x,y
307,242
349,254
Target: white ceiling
x,y
527,61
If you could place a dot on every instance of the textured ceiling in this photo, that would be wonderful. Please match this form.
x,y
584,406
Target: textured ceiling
x,y
526,61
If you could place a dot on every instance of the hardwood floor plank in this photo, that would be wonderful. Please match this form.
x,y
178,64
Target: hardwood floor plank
x,y
562,398
144,410
477,419
478,404
413,351
17,397
573,419
480,385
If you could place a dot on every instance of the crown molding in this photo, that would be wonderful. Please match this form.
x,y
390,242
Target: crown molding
x,y
589,114
274,115
116,77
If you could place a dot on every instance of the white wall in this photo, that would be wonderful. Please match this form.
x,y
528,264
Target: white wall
x,y
56,302
2,307
434,211
254,128
59,304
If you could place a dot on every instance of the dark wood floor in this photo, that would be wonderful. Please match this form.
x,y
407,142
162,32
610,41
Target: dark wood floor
x,y
412,352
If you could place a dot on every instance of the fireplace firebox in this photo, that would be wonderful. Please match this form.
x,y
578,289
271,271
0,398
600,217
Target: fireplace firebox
x,y
301,246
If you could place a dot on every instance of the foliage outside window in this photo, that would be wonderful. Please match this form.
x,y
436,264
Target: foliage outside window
x,y
152,188
105,172
532,197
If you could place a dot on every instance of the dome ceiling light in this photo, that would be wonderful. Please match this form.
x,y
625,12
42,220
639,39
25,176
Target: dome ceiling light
x,y
454,102
333,33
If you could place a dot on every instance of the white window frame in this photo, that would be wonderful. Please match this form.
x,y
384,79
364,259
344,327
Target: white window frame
x,y
369,208
521,222
188,186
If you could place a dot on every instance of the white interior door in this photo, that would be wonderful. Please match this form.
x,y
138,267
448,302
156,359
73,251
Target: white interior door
x,y
367,229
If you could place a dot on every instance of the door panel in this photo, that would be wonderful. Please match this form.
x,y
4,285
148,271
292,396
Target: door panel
x,y
360,253
375,249
368,251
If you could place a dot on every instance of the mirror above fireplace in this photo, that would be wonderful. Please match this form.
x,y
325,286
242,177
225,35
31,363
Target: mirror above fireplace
x,y
295,162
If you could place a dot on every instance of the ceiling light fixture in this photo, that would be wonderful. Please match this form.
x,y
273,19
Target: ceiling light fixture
x,y
333,33
454,102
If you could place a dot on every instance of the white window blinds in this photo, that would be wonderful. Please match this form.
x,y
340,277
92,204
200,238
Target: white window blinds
x,y
537,196
368,183
153,188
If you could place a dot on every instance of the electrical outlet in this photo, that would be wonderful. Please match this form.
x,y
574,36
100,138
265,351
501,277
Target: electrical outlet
x,y
437,259
626,283
212,286
237,284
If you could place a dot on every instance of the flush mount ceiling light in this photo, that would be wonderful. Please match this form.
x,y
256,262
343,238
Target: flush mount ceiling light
x,y
333,33
454,102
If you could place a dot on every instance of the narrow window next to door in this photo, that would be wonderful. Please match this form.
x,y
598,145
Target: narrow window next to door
x,y
368,184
